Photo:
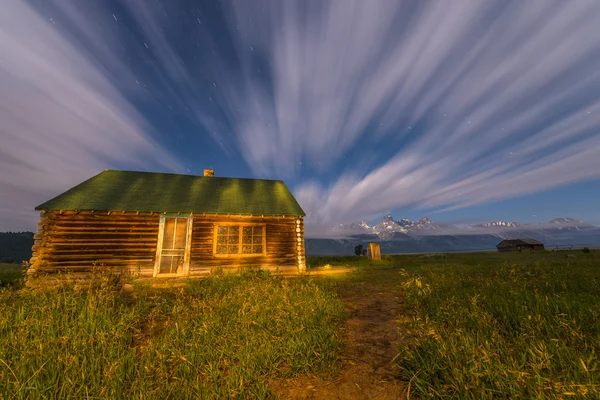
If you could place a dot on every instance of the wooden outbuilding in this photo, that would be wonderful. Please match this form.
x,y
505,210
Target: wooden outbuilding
x,y
520,245
168,225
374,251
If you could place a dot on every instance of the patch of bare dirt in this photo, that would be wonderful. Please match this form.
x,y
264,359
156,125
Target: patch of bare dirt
x,y
367,368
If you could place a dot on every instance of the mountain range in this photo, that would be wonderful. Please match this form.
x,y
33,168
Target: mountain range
x,y
390,228
424,235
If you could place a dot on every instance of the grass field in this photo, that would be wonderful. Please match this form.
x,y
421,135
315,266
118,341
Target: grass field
x,y
473,326
10,274
495,325
223,336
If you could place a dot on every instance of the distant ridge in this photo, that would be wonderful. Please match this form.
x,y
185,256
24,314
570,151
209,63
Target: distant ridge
x,y
425,235
389,227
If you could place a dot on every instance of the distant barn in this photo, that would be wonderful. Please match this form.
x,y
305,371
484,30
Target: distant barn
x,y
166,225
520,245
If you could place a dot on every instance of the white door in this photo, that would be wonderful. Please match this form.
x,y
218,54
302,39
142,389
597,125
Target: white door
x,y
173,246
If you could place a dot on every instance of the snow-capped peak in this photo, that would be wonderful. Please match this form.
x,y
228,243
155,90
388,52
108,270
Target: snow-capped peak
x,y
388,228
388,220
388,217
361,227
569,221
498,224
405,222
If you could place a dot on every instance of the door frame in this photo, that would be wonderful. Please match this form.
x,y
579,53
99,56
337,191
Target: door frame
x,y
188,244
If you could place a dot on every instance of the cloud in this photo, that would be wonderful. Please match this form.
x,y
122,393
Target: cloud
x,y
463,103
62,119
488,101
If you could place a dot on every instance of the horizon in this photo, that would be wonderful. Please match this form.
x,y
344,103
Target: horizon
x,y
460,228
481,113
339,231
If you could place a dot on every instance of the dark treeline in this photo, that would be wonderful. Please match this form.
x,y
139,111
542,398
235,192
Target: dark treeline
x,y
15,246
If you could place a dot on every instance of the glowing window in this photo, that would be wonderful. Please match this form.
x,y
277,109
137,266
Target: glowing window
x,y
239,240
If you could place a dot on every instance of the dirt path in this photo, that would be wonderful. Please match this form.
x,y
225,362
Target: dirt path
x,y
367,370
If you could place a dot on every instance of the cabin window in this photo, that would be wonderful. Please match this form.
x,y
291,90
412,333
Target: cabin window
x,y
239,240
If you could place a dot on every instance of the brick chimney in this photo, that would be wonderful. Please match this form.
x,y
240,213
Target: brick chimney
x,y
209,172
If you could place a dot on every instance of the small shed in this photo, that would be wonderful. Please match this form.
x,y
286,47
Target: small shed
x,y
520,245
168,225
374,251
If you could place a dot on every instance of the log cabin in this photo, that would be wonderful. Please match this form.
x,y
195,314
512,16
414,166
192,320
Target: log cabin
x,y
160,225
520,245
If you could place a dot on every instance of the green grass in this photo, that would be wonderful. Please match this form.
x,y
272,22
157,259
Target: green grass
x,y
223,336
359,262
10,275
475,326
495,325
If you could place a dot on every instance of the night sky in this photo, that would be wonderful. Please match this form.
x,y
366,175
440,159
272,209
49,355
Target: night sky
x,y
464,111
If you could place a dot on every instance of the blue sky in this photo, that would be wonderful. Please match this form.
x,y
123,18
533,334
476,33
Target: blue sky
x,y
462,111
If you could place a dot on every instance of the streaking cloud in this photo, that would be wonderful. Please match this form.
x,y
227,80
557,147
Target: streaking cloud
x,y
367,106
62,120
489,100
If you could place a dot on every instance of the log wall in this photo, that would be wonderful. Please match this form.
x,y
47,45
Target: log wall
x,y
281,251
76,242
300,249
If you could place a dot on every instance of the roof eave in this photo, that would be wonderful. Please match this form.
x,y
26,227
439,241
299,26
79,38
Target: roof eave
x,y
45,209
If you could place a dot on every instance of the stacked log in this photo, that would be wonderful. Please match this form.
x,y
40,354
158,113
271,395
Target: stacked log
x,y
38,239
281,253
300,249
80,242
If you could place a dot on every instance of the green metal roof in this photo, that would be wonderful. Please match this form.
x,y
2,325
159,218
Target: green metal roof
x,y
114,190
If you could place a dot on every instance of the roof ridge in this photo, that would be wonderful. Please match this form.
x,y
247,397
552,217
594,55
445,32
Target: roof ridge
x,y
190,175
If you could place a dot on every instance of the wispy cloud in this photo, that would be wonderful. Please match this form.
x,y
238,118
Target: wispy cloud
x,y
494,99
62,119
471,102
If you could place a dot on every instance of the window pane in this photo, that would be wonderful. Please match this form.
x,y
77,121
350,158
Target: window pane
x,y
180,233
229,240
169,264
169,231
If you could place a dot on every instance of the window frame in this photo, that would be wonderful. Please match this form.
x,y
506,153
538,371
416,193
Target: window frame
x,y
240,243
185,270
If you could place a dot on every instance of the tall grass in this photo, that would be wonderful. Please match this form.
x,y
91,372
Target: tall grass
x,y
11,274
223,336
528,329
